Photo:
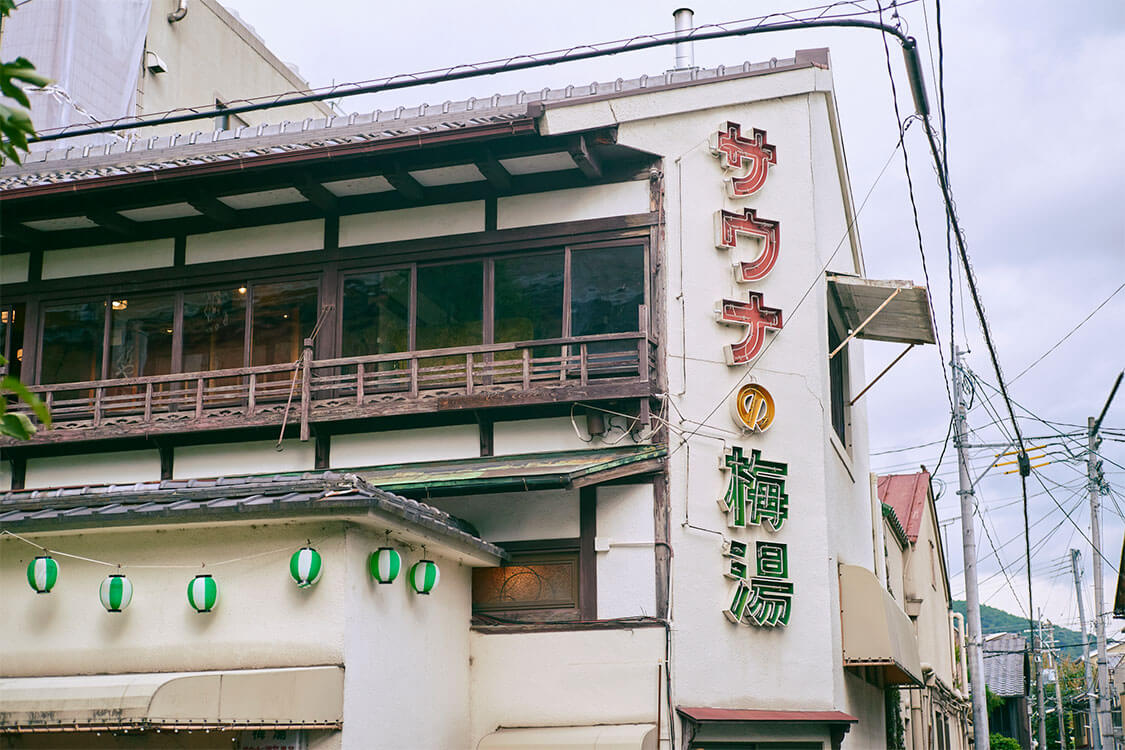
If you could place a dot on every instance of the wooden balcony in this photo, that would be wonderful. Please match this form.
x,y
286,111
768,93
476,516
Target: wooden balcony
x,y
308,391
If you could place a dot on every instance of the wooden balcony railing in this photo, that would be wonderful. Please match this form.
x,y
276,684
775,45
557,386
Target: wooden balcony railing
x,y
616,365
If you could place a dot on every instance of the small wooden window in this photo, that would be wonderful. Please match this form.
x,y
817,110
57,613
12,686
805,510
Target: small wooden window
x,y
532,586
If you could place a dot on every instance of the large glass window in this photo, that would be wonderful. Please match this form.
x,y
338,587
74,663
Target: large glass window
x,y
376,313
140,336
73,335
214,329
284,314
450,305
607,286
529,297
11,338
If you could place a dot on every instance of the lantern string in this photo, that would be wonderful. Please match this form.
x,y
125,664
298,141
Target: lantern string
x,y
286,548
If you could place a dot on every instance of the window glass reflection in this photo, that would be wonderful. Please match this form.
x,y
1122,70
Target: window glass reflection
x,y
214,329
72,342
450,305
529,297
140,336
376,314
607,287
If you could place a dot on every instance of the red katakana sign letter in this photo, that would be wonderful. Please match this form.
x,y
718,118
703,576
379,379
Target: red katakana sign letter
x,y
729,225
756,318
736,152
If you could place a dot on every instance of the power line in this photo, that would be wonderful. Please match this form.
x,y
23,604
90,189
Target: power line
x,y
785,21
1069,333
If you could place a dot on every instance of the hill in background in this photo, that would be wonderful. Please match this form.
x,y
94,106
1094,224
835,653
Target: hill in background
x,y
993,620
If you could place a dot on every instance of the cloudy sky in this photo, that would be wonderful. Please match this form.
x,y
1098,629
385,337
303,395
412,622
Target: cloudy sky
x,y
1034,101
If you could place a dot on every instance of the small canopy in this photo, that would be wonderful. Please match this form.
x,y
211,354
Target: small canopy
x,y
905,319
798,729
245,699
598,737
559,470
876,633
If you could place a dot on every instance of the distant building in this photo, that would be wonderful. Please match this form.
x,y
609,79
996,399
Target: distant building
x,y
939,715
124,58
1007,673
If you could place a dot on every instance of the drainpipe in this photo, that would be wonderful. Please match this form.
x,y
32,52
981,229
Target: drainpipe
x,y
179,13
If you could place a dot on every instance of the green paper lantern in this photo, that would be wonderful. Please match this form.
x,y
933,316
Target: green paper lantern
x,y
116,592
305,566
42,573
203,593
385,564
424,576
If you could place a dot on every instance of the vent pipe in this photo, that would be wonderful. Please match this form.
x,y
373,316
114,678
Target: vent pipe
x,y
179,13
685,50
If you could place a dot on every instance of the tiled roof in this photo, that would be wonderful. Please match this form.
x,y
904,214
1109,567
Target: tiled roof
x,y
906,494
69,163
1004,659
224,499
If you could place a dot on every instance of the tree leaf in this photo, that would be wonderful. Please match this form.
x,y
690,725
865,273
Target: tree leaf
x,y
17,426
12,384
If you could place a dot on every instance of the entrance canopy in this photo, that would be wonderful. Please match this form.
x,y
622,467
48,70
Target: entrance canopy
x,y
304,697
600,737
877,635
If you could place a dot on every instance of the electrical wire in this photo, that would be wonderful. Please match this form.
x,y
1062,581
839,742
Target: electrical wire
x,y
1069,333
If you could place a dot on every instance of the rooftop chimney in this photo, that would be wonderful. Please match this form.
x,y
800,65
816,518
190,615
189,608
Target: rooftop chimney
x,y
685,50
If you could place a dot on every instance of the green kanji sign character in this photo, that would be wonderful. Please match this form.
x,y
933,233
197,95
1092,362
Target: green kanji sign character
x,y
756,490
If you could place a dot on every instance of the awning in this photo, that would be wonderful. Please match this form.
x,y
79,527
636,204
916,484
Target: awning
x,y
905,319
878,636
599,737
558,470
245,699
750,725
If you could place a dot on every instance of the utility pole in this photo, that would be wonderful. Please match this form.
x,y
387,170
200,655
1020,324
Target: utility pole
x,y
1039,683
969,548
1089,685
1094,484
1061,715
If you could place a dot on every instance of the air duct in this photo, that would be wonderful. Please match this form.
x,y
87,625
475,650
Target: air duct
x,y
685,50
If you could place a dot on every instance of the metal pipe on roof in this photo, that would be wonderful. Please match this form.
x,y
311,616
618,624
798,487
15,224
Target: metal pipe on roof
x,y
685,50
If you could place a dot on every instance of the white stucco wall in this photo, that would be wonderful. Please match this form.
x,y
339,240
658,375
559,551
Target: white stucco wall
x,y
13,268
124,467
126,256
550,434
406,682
830,521
210,55
626,571
405,446
411,223
263,619
565,678
518,516
252,242
258,457
557,206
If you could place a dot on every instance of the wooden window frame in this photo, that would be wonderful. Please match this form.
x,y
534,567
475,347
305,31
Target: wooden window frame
x,y
837,327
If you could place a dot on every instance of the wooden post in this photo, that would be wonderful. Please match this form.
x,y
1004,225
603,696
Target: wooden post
x,y
252,396
148,402
199,397
526,368
414,377
469,374
360,372
98,391
306,388
583,364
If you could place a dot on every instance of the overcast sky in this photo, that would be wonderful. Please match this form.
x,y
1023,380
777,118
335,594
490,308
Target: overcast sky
x,y
1034,99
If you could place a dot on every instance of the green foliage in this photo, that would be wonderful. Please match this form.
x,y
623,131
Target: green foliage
x,y
1000,742
993,701
19,426
994,620
896,732
15,119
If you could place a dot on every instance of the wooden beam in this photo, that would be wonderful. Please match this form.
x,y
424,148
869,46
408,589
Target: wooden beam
x,y
214,209
318,195
587,556
114,222
493,170
25,237
404,183
586,160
